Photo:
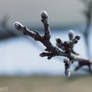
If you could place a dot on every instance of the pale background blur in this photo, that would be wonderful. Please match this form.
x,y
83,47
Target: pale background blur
x,y
61,12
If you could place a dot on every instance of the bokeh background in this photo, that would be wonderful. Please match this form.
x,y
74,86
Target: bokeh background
x,y
19,54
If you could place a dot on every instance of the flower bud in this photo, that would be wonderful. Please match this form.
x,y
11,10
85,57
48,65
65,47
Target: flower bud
x,y
77,37
17,25
71,34
44,14
59,41
66,60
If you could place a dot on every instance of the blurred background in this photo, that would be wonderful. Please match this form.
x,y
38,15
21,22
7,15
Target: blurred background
x,y
20,54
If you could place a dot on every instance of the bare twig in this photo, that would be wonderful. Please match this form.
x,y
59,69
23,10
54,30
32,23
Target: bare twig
x,y
62,49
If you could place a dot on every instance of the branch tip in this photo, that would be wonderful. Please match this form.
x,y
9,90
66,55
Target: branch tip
x,y
44,14
71,34
18,25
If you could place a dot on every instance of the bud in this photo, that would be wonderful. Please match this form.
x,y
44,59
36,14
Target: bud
x,y
71,34
59,41
75,41
77,37
44,14
17,25
66,60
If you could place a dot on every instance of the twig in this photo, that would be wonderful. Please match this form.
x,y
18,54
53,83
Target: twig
x,y
62,49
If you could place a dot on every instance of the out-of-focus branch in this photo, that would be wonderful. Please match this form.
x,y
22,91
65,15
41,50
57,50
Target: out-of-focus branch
x,y
88,15
62,49
6,31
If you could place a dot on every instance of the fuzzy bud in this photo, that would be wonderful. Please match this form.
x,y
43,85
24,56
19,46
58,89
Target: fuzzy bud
x,y
66,60
44,14
59,41
77,37
71,34
17,25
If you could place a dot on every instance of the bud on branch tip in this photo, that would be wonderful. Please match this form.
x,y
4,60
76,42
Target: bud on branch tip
x,y
44,14
71,34
17,25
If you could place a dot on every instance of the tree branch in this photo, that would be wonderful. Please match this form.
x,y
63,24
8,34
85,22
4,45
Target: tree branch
x,y
62,49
